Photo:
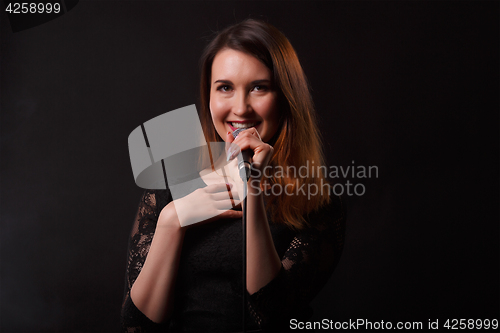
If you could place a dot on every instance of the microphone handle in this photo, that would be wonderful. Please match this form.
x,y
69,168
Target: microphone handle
x,y
244,165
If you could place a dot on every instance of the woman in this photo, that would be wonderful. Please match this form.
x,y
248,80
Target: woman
x,y
188,277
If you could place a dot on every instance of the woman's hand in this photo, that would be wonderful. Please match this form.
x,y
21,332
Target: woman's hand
x,y
250,139
206,204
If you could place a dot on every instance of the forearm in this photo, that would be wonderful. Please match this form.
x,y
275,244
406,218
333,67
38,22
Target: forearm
x,y
263,262
153,290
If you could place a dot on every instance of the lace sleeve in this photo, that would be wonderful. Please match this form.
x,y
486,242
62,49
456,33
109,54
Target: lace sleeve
x,y
307,265
132,319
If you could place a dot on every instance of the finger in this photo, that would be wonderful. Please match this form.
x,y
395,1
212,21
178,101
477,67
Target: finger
x,y
231,214
225,204
250,132
234,195
232,151
229,139
243,142
227,214
225,195
258,135
238,206
219,187
253,132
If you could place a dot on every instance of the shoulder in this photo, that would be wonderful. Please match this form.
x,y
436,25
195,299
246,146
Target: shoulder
x,y
156,199
326,229
163,197
327,225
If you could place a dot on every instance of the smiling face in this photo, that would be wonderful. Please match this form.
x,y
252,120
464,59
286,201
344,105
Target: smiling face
x,y
241,95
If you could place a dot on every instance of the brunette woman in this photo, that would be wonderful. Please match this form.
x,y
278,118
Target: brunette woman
x,y
188,277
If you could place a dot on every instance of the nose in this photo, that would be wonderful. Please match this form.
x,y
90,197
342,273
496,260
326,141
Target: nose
x,y
241,106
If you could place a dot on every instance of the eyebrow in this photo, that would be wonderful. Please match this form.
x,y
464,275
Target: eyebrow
x,y
253,82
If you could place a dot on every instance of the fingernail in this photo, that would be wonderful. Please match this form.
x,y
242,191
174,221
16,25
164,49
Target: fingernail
x,y
233,155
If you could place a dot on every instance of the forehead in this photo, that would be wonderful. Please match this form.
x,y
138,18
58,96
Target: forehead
x,y
230,64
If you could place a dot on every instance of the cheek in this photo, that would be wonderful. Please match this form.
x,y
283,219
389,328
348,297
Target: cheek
x,y
268,109
217,108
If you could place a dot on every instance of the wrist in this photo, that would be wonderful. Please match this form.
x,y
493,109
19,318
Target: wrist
x,y
256,172
254,188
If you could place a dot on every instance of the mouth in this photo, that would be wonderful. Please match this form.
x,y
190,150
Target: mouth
x,y
234,125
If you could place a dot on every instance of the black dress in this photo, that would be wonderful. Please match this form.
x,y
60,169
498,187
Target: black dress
x,y
208,290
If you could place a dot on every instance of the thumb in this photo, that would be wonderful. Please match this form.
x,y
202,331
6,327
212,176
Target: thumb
x,y
229,139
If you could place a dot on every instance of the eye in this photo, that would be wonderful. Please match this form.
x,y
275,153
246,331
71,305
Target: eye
x,y
260,88
224,88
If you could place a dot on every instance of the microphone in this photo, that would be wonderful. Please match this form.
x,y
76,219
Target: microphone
x,y
244,168
244,165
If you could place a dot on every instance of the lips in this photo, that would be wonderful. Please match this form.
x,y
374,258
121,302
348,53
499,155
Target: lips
x,y
234,125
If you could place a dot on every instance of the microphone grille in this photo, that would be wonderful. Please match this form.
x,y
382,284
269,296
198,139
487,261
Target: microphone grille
x,y
238,131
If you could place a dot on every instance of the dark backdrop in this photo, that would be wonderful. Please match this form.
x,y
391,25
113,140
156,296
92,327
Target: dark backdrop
x,y
410,87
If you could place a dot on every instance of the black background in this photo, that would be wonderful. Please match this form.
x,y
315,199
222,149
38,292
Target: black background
x,y
410,87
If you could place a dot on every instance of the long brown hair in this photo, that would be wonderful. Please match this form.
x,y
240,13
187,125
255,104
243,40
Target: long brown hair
x,y
298,139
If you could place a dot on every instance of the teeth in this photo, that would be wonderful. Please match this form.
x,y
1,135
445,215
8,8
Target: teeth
x,y
246,125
